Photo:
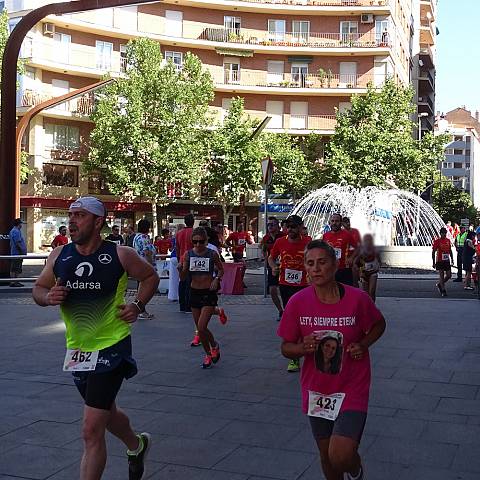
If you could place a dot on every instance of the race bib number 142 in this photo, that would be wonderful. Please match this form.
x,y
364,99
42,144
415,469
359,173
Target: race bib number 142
x,y
324,406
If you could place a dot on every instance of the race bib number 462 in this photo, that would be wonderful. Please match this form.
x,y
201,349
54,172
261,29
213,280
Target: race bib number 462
x,y
78,361
324,406
199,264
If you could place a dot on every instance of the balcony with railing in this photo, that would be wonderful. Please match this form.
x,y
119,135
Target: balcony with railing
x,y
341,5
427,30
82,105
294,82
296,39
70,57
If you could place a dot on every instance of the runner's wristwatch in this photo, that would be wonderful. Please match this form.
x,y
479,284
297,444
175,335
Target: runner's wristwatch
x,y
139,304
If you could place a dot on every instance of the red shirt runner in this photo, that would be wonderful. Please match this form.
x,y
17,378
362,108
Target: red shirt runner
x,y
59,240
292,269
163,245
443,247
239,240
341,242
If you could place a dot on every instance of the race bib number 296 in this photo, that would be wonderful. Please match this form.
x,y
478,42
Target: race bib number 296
x,y
324,406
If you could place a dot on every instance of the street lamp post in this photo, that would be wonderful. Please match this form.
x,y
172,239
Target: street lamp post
x,y
417,226
9,167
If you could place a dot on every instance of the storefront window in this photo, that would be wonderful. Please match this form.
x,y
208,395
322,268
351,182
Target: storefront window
x,y
52,220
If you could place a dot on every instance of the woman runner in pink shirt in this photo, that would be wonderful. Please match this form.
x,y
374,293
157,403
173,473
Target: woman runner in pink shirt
x,y
332,326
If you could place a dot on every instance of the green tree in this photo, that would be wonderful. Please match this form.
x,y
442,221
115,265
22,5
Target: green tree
x,y
373,142
452,203
295,173
4,34
234,168
150,126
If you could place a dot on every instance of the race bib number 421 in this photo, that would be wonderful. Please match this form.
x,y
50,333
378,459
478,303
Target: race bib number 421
x,y
78,361
324,406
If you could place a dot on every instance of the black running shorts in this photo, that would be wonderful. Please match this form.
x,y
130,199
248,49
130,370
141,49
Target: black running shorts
x,y
204,297
443,265
100,387
349,424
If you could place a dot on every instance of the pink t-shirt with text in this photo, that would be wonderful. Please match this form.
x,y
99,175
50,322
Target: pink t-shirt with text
x,y
331,369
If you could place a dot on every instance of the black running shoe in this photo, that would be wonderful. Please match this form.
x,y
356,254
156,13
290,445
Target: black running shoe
x,y
136,463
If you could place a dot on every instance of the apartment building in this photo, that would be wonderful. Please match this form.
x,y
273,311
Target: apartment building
x,y
298,61
462,154
424,61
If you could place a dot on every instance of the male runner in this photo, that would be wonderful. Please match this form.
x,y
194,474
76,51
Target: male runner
x,y
237,241
354,249
88,279
267,243
441,256
341,241
459,244
293,278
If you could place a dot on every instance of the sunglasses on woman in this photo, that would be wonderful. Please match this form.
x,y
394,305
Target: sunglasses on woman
x,y
198,242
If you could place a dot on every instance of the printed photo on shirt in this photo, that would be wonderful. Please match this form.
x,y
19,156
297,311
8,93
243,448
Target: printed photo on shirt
x,y
329,353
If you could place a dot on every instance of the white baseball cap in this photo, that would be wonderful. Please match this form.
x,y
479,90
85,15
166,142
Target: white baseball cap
x,y
91,205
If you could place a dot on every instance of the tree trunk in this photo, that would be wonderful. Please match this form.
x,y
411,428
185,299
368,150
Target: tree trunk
x,y
155,218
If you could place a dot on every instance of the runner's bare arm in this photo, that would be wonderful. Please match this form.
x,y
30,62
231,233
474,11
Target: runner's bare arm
x,y
139,269
215,285
47,289
271,262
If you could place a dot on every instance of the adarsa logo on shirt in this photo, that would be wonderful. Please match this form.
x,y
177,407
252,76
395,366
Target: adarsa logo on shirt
x,y
78,285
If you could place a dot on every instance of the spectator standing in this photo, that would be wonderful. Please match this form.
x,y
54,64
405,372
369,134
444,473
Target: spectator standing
x,y
142,243
183,244
129,236
468,253
17,247
459,244
163,244
61,238
115,236
173,278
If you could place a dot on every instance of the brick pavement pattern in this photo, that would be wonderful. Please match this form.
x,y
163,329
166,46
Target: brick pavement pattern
x,y
242,420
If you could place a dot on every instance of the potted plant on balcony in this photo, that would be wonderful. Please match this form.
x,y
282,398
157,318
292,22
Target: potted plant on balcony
x,y
329,78
233,37
322,75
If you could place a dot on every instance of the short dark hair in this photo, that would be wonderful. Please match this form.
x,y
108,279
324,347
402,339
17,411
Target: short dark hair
x,y
273,219
143,226
17,222
345,219
322,245
336,214
115,226
62,226
443,230
165,231
189,220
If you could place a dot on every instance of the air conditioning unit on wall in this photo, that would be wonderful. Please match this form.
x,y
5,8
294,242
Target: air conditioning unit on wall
x,y
366,18
49,29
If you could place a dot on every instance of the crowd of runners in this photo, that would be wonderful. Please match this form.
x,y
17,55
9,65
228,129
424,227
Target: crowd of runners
x,y
326,324
467,245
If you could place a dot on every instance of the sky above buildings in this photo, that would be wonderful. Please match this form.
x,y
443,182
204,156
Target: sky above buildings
x,y
458,55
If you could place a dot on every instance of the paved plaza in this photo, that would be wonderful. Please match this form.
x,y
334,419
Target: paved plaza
x,y
242,419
